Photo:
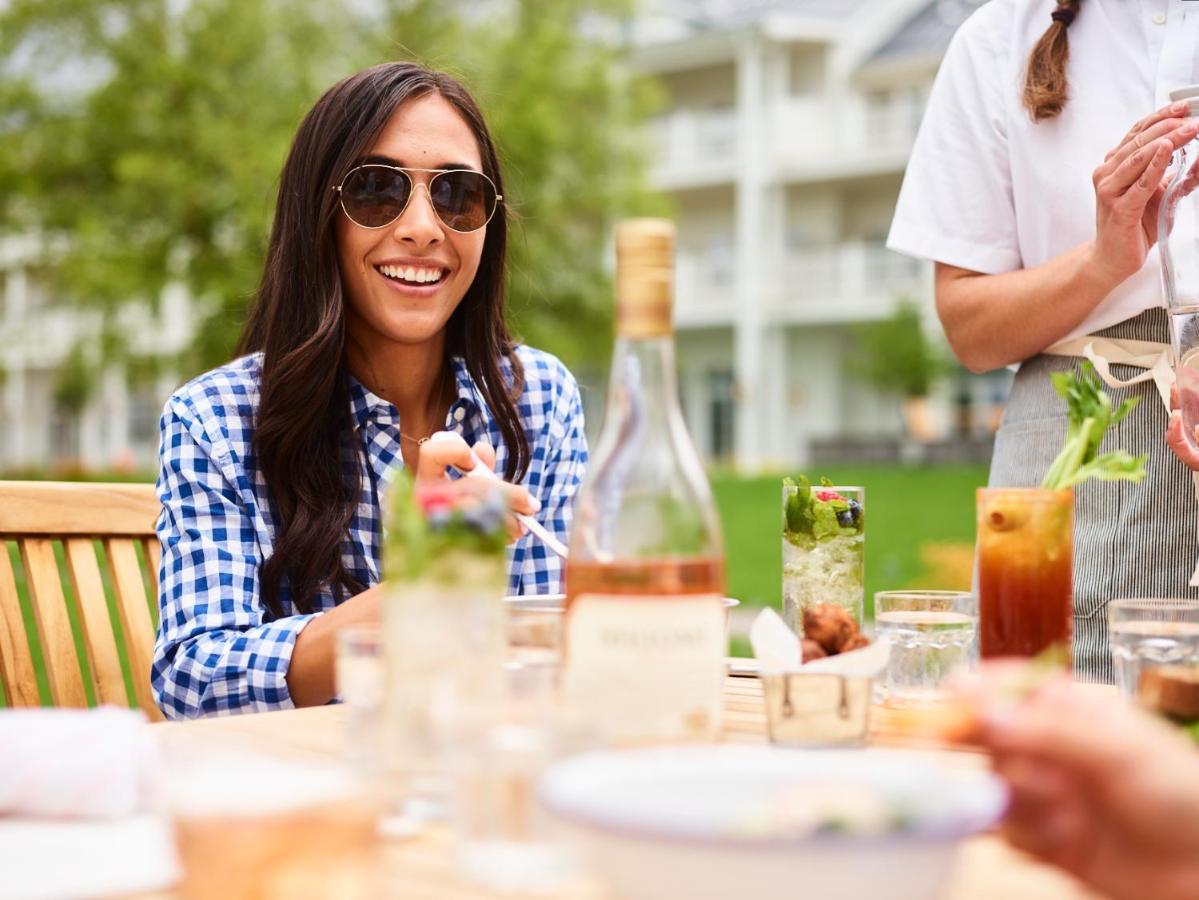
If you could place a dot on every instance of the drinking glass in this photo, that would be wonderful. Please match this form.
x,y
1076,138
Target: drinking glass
x,y
932,636
1147,633
500,746
1184,338
443,641
361,675
824,569
1025,571
251,825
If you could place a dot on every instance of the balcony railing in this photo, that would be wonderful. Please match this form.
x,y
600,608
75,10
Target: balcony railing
x,y
836,282
691,139
854,276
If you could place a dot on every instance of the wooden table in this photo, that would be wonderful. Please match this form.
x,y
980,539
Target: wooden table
x,y
423,866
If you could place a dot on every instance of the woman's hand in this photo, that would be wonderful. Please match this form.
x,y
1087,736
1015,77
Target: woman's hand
x,y
449,449
1128,190
1100,789
1176,439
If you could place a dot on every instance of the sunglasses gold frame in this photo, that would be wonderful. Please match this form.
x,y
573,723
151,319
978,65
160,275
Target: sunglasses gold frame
x,y
436,173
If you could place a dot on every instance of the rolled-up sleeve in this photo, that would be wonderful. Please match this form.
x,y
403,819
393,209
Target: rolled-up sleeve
x,y
956,204
554,484
215,651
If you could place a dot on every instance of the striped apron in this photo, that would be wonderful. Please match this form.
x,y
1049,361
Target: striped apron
x,y
1130,540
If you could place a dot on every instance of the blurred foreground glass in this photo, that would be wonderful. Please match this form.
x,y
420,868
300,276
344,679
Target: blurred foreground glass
x,y
360,685
1148,633
1025,570
256,826
932,636
501,744
534,630
821,567
443,641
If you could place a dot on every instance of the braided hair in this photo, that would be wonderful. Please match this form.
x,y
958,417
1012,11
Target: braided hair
x,y
1045,83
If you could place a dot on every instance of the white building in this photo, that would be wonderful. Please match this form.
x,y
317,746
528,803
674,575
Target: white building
x,y
783,143
787,128
117,427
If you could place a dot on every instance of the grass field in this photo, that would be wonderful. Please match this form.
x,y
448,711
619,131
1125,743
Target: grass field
x,y
919,533
919,528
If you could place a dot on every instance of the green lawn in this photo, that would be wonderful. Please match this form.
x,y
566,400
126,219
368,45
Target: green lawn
x,y
919,528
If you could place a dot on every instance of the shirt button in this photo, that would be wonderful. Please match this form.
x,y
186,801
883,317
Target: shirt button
x,y
1159,19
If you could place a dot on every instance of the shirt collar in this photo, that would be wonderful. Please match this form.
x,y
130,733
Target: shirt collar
x,y
365,405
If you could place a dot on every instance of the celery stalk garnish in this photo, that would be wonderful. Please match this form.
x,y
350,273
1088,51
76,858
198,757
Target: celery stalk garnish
x,y
1090,413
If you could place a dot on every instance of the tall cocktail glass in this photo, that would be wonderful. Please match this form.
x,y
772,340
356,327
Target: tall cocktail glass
x,y
823,549
1025,570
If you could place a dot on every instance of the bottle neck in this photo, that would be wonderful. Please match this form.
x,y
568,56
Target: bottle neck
x,y
645,367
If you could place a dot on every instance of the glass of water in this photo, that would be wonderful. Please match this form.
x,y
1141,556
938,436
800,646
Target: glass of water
x,y
360,686
1184,335
504,840
1146,633
933,637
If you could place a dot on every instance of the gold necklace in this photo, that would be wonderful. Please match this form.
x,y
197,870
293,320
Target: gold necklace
x,y
442,384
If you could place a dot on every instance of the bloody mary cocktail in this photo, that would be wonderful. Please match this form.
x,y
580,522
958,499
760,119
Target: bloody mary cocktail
x,y
1025,570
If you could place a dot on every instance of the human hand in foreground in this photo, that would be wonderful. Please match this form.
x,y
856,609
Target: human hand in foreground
x,y
1099,788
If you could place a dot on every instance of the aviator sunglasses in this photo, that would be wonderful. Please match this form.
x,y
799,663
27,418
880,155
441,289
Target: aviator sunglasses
x,y
375,195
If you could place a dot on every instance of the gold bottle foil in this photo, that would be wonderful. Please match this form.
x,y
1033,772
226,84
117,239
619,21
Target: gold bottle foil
x,y
644,278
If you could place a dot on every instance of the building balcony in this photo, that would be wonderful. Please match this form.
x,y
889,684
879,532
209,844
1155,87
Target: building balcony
x,y
847,282
815,138
705,291
851,281
694,148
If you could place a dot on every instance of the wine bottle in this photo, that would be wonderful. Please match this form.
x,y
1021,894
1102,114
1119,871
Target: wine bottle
x,y
645,621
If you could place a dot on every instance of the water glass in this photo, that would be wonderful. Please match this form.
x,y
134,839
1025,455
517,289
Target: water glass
x,y
361,673
503,839
1184,338
933,640
1146,633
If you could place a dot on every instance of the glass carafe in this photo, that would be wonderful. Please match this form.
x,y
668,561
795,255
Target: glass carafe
x,y
1178,241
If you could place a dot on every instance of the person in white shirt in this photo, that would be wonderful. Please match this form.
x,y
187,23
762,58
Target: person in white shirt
x,y
1034,185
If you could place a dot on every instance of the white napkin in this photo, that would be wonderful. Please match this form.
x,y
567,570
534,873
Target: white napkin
x,y
76,764
779,650
775,646
867,662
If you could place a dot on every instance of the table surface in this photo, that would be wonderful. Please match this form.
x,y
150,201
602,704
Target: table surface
x,y
422,866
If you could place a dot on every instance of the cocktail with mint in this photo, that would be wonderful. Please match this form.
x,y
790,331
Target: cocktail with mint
x,y
823,548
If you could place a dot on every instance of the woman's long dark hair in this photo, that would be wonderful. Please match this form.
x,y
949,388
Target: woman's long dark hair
x,y
304,437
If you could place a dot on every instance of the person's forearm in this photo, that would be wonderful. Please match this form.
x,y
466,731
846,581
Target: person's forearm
x,y
311,677
995,320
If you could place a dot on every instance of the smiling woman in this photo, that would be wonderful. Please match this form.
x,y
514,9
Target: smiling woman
x,y
378,322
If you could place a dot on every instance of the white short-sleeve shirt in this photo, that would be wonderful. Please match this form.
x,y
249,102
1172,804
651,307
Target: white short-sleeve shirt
x,y
988,189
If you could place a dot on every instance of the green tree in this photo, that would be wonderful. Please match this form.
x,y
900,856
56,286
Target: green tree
x,y
895,355
150,134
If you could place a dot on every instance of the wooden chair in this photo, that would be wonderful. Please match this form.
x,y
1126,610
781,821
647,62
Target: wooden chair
x,y
84,518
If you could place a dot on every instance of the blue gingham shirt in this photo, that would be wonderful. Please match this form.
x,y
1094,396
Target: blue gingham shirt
x,y
218,649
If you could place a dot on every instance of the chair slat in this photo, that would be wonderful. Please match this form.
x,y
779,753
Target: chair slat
x,y
53,626
135,617
153,553
61,508
17,677
97,627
